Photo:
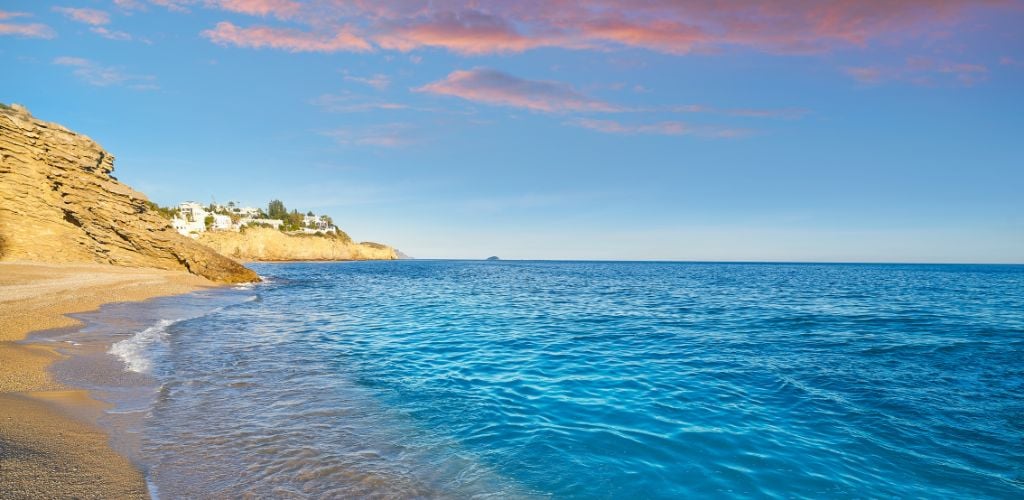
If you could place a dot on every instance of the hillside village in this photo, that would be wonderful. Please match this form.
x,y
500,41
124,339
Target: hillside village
x,y
192,219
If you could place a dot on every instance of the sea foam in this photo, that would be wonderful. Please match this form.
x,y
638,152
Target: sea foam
x,y
135,351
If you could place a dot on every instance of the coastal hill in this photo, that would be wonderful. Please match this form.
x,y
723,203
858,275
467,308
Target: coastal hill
x,y
59,203
266,244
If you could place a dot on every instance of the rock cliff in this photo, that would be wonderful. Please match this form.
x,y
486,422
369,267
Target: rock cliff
x,y
272,245
59,203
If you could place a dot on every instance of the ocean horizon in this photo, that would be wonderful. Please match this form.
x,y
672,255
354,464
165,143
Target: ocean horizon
x,y
569,379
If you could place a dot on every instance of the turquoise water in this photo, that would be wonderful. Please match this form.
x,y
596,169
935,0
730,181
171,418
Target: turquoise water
x,y
584,380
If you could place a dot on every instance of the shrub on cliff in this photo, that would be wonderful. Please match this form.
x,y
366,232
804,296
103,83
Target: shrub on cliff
x,y
165,212
338,234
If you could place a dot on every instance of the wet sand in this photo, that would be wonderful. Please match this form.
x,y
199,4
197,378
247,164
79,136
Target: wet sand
x,y
48,446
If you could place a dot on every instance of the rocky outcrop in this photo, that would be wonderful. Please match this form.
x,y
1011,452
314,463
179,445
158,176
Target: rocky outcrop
x,y
271,245
59,203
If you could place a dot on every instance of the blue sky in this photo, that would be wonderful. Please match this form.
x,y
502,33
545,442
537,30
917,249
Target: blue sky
x,y
791,130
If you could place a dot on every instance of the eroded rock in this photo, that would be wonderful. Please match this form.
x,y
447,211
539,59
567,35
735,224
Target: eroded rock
x,y
59,203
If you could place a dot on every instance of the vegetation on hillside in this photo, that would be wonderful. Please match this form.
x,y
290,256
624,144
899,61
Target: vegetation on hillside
x,y
293,221
165,212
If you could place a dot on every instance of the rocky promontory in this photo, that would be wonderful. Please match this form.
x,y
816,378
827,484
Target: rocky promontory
x,y
265,244
59,203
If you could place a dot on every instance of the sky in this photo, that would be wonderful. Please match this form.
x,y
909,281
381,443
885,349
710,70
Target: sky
x,y
784,130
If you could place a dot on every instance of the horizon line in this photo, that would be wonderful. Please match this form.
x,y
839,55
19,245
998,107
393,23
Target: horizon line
x,y
671,261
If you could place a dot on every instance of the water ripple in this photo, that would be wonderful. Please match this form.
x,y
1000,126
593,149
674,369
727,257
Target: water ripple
x,y
603,380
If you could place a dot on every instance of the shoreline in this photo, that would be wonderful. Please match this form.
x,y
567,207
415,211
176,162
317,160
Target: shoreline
x,y
49,443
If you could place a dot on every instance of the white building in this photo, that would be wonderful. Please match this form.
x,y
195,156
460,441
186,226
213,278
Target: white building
x,y
245,212
222,223
191,219
313,224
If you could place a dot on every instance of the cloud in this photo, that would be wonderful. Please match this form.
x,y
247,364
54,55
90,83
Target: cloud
x,y
614,127
283,9
785,113
98,19
391,135
1009,61
378,81
474,27
493,87
110,34
922,71
466,32
865,74
11,15
29,30
173,5
87,16
226,33
130,4
675,128
347,102
105,76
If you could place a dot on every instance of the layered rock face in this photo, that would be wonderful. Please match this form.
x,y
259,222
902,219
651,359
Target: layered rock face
x,y
59,203
272,245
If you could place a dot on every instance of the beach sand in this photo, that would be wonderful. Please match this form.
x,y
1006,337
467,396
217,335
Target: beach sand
x,y
48,447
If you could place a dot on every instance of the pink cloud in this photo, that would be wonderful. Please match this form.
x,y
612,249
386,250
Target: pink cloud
x,y
105,76
494,87
474,27
378,81
87,16
130,4
658,128
347,102
664,36
226,33
110,34
391,135
1009,61
865,74
786,113
921,71
28,30
283,9
11,15
174,5
614,127
467,32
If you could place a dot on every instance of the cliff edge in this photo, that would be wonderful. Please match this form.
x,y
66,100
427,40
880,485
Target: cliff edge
x,y
272,245
59,203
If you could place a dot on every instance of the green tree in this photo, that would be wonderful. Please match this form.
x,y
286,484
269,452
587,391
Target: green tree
x,y
276,210
208,221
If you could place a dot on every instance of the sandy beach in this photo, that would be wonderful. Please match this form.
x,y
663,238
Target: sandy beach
x,y
48,447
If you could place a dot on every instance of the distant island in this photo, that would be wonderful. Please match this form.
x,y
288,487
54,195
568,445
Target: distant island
x,y
493,257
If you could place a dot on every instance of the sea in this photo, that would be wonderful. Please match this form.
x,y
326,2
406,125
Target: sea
x,y
540,379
